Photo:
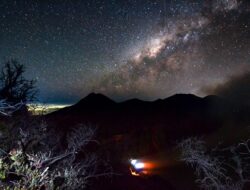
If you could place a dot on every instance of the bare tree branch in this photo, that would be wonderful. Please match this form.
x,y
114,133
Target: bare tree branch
x,y
227,169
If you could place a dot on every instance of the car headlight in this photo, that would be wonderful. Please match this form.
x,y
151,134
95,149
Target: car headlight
x,y
137,164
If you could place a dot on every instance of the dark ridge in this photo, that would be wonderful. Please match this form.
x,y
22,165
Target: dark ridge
x,y
93,102
95,99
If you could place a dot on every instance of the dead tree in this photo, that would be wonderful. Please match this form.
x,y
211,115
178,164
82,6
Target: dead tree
x,y
14,88
7,109
218,169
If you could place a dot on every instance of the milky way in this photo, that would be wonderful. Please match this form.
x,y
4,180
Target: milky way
x,y
126,49
179,58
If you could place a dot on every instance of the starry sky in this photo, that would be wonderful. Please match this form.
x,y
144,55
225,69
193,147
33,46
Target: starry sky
x,y
145,49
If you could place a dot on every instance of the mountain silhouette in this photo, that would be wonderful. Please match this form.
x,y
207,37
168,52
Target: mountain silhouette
x,y
158,123
94,100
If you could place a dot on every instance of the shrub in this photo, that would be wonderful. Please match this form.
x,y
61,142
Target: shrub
x,y
47,170
217,169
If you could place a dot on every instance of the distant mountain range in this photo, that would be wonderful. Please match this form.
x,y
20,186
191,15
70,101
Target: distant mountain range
x,y
161,122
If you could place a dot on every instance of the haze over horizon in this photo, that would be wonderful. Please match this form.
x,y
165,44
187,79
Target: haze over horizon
x,y
129,49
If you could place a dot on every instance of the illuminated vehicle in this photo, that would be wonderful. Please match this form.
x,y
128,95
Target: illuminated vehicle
x,y
138,168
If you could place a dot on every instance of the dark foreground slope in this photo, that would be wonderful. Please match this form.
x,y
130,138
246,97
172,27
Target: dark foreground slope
x,y
142,129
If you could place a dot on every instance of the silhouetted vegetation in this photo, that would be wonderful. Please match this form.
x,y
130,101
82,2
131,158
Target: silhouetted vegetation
x,y
15,87
224,168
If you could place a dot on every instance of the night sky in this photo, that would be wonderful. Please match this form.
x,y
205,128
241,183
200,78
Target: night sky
x,y
145,49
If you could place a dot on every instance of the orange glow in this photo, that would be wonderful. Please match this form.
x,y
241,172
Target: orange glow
x,y
133,173
148,168
149,165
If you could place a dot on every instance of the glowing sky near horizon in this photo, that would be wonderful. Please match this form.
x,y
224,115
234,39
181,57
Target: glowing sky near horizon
x,y
145,49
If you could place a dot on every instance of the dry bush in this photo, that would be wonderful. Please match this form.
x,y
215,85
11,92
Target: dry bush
x,y
220,168
21,169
